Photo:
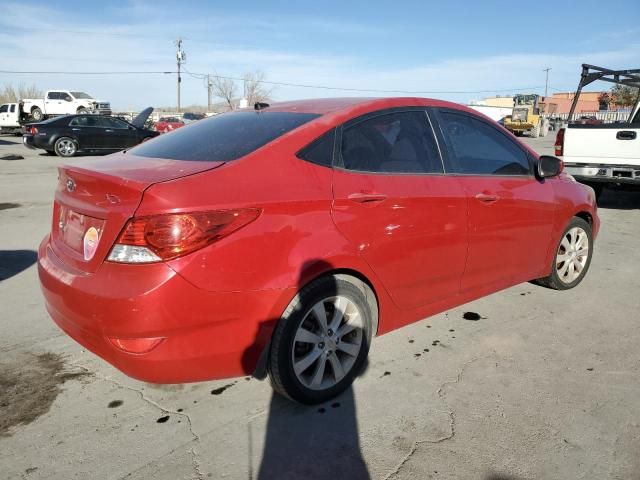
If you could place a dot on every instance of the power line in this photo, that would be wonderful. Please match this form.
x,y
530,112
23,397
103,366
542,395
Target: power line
x,y
284,84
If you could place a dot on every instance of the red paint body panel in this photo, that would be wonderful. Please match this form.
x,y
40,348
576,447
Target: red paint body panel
x,y
427,245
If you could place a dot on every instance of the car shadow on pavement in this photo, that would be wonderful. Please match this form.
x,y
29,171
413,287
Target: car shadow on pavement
x,y
617,198
312,442
12,262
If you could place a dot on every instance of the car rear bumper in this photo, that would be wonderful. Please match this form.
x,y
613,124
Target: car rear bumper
x,y
605,173
203,335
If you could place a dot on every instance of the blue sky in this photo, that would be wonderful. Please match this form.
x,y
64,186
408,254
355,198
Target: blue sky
x,y
439,47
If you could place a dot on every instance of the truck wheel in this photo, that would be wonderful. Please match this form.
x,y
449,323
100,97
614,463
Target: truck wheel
x,y
65,147
535,131
545,128
597,188
36,114
322,340
573,256
82,111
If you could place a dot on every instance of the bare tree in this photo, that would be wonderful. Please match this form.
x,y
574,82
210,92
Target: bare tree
x,y
224,88
254,88
11,94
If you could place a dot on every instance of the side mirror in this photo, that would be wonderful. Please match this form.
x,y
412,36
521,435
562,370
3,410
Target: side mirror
x,y
549,166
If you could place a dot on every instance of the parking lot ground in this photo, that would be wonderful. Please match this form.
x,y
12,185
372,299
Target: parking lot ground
x,y
535,384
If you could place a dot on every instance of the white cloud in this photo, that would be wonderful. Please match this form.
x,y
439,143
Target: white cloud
x,y
45,39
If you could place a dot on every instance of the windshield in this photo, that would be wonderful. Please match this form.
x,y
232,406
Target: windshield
x,y
81,95
224,137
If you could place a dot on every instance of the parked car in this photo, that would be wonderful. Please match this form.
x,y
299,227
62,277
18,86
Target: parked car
x,y
70,134
189,117
63,102
282,240
10,118
167,124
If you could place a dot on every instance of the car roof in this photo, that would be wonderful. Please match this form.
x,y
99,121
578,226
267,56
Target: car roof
x,y
330,105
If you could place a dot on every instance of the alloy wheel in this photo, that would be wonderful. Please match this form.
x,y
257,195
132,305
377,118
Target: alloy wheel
x,y
572,255
327,343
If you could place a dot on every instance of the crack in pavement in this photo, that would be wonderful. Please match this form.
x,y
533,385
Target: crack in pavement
x,y
449,412
196,438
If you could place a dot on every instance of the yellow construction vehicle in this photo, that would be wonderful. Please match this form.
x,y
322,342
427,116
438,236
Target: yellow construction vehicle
x,y
526,117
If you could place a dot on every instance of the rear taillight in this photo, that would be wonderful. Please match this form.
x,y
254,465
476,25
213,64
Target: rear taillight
x,y
164,237
33,131
559,146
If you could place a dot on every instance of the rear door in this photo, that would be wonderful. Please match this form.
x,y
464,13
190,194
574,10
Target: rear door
x,y
53,103
87,130
510,211
394,203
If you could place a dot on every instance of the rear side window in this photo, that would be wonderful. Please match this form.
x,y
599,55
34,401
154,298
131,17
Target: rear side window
x,y
223,137
320,151
400,142
54,96
4,108
477,148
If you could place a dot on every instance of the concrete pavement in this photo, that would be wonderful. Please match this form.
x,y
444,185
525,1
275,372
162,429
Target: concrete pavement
x,y
539,384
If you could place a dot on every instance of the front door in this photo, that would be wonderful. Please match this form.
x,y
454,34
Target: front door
x,y
89,133
393,202
510,210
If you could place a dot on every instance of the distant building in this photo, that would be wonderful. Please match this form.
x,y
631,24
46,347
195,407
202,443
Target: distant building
x,y
499,101
560,102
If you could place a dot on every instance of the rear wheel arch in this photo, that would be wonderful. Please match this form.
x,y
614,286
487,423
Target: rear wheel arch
x,y
350,275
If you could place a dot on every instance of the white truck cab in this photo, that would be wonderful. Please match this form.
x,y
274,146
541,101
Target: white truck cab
x,y
10,118
63,102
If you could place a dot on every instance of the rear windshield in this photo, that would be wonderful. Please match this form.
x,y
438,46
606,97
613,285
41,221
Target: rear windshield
x,y
223,137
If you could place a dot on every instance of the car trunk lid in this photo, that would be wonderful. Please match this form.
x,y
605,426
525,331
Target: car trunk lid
x,y
93,201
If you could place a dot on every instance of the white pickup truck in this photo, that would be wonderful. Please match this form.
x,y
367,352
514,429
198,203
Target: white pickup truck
x,y
63,102
10,118
602,153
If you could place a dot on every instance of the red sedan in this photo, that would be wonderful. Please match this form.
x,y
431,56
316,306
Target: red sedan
x,y
283,240
167,124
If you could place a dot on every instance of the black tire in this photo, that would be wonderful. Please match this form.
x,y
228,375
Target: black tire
x,y
36,114
66,147
597,189
281,356
82,111
554,280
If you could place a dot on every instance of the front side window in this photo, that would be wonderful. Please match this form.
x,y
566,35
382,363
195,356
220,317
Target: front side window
x,y
224,137
477,148
108,122
401,142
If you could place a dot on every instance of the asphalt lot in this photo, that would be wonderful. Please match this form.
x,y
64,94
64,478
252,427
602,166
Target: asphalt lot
x,y
544,384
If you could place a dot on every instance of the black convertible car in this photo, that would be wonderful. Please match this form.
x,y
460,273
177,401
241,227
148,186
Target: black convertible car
x,y
67,135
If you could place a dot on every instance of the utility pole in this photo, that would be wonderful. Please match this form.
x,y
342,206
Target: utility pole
x,y
546,83
209,87
181,57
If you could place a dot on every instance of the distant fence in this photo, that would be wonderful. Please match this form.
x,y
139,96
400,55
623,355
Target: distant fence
x,y
607,116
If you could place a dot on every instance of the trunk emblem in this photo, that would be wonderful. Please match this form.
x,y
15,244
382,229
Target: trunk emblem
x,y
71,185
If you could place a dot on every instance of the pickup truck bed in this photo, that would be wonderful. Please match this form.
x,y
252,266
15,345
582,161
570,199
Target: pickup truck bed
x,y
608,153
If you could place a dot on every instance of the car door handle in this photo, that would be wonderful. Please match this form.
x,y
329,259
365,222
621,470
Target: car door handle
x,y
109,131
487,198
362,197
626,135
75,129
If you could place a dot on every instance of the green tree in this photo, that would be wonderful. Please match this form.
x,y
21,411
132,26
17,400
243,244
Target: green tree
x,y
624,96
